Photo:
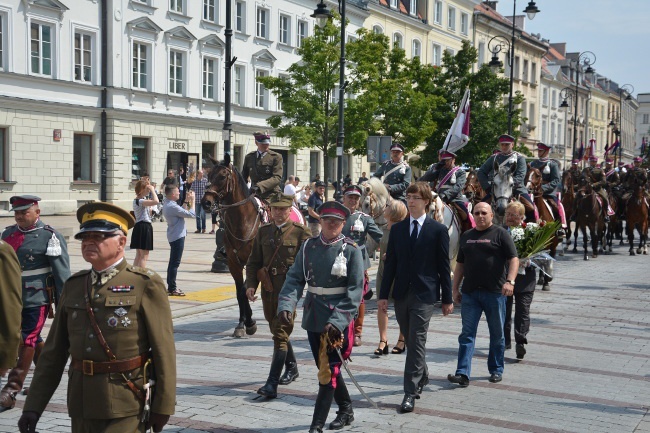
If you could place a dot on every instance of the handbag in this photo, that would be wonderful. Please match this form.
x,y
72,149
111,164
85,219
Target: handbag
x,y
263,275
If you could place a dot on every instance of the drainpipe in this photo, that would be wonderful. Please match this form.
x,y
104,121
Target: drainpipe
x,y
103,134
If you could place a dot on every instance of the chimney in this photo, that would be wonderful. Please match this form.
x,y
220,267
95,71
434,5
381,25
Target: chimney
x,y
492,4
520,21
560,47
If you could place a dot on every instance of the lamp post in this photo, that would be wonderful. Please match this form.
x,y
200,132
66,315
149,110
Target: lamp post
x,y
567,94
322,14
588,58
629,89
531,10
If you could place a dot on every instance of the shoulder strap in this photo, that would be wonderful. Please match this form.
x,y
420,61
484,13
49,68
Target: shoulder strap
x,y
93,321
393,169
279,245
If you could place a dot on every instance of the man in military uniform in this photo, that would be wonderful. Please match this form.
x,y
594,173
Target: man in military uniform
x,y
611,175
396,173
508,157
357,226
596,177
275,246
575,173
114,321
449,182
332,267
10,307
636,176
264,167
45,265
551,178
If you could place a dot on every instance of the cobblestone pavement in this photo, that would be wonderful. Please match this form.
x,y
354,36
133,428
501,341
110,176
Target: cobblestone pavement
x,y
586,370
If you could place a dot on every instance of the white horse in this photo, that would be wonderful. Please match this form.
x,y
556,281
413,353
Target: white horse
x,y
444,214
502,185
373,202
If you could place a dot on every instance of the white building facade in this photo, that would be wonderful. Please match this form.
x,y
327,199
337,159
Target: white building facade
x,y
164,93
643,120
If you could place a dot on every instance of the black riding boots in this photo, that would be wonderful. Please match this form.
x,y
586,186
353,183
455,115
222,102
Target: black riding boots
x,y
270,389
345,415
322,408
291,367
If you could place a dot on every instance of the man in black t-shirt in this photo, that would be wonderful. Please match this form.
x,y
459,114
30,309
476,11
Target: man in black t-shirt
x,y
488,261
315,200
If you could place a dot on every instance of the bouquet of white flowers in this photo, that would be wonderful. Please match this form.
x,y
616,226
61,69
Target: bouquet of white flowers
x,y
532,239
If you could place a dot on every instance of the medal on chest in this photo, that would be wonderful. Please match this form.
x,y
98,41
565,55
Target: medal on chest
x,y
358,225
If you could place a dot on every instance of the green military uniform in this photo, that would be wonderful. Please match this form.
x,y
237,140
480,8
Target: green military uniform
x,y
287,240
357,227
397,177
11,304
596,177
265,171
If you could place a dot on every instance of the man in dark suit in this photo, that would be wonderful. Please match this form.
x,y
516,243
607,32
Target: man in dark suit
x,y
417,262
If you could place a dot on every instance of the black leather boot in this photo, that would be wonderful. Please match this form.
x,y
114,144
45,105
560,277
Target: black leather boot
x,y
322,408
291,367
270,389
345,415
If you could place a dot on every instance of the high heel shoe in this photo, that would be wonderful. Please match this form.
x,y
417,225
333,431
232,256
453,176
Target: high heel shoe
x,y
379,351
397,350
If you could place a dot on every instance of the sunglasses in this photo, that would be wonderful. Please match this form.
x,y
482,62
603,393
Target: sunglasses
x,y
480,213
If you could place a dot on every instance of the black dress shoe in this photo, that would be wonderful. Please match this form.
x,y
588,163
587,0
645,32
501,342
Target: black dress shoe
x,y
342,419
459,379
408,404
423,382
520,350
495,378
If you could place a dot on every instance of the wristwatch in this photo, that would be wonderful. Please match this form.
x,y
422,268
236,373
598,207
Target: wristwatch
x,y
511,282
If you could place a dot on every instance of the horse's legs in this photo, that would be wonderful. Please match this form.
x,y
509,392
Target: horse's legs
x,y
245,313
630,236
575,238
583,230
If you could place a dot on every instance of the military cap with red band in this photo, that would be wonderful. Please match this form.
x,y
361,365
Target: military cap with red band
x,y
22,202
333,209
505,138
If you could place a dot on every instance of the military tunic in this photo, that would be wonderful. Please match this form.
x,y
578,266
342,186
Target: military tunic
x,y
357,227
452,189
132,311
36,266
612,177
264,172
11,306
596,176
396,181
264,246
485,172
551,180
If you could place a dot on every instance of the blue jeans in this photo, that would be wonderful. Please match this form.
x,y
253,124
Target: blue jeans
x,y
175,256
200,217
472,306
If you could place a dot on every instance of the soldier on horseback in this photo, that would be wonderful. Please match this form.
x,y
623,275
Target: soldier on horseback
x,y
449,182
396,173
264,167
509,158
574,171
636,176
550,171
596,176
611,175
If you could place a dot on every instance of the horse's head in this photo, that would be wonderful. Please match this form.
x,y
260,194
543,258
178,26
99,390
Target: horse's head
x,y
374,198
221,183
502,184
533,179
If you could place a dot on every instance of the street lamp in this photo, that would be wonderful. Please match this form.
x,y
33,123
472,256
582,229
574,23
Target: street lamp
x,y
566,94
321,14
629,89
588,58
501,44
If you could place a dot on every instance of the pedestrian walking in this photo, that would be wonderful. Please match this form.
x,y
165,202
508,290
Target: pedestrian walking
x,y
176,233
332,267
274,249
115,324
45,266
417,263
11,306
142,236
198,187
487,265
315,201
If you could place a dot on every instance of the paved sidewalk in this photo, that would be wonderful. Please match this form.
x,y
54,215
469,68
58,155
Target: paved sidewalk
x,y
586,370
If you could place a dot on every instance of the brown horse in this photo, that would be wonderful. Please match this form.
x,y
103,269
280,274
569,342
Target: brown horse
x,y
534,184
637,217
614,222
568,201
473,190
589,216
228,194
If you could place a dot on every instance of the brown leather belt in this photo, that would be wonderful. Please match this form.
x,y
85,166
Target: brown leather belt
x,y
89,368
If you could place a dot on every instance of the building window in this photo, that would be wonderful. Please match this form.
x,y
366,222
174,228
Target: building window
x,y
646,119
286,79
553,133
397,41
553,98
238,88
303,32
176,6
285,29
376,29
531,114
240,17
3,155
260,91
451,18
437,12
210,11
451,51
516,71
524,74
262,23
208,150
82,158
533,73
139,161
82,57
414,7
208,78
393,4
544,96
2,42
41,49
139,65
416,49
175,72
481,53
436,58
543,130
464,23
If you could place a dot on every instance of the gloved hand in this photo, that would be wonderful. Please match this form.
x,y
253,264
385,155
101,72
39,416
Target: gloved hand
x,y
285,317
157,421
254,189
27,422
332,332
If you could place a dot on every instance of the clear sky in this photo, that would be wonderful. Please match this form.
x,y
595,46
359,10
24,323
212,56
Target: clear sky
x,y
616,31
